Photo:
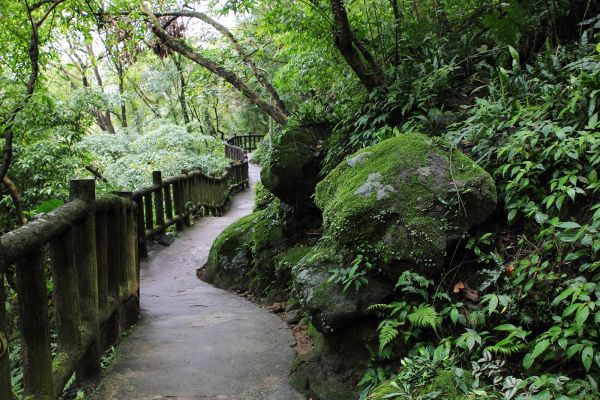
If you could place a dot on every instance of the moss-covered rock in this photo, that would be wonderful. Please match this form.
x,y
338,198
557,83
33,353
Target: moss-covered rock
x,y
243,256
262,197
230,258
292,168
405,200
330,307
286,260
326,372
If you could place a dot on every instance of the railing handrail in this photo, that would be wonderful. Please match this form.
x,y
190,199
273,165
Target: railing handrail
x,y
94,246
248,142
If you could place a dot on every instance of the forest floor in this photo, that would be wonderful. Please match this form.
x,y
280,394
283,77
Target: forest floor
x,y
195,341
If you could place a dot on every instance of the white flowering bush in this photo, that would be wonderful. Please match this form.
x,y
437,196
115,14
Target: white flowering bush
x,y
127,159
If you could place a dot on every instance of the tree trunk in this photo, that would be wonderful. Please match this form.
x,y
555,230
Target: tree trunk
x,y
182,84
107,118
353,50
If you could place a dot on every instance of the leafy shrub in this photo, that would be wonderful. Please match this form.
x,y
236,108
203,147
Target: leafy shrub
x,y
127,160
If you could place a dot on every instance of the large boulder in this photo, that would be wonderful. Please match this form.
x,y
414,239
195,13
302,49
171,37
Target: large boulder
x,y
230,258
243,256
291,171
405,201
330,307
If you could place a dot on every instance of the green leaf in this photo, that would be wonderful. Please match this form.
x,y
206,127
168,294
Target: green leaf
x,y
587,356
493,304
563,295
454,315
581,316
571,309
506,328
423,315
539,348
569,225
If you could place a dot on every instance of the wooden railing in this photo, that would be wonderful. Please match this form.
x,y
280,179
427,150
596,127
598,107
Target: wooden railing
x,y
92,248
247,142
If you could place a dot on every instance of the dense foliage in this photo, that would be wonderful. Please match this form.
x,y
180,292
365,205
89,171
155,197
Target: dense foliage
x,y
513,84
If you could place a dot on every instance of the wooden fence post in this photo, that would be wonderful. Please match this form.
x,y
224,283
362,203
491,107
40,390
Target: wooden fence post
x,y
5,384
84,234
185,185
123,271
149,211
178,203
168,201
130,274
159,209
142,244
102,261
113,325
66,297
35,331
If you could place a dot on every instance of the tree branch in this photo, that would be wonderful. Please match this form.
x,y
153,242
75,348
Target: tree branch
x,y
259,74
229,76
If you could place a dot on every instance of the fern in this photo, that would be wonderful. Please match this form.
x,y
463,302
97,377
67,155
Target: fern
x,y
506,349
423,316
387,333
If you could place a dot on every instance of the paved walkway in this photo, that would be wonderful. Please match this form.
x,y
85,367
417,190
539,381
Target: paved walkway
x,y
195,341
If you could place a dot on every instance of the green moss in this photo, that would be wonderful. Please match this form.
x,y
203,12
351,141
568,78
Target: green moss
x,y
399,199
243,256
262,197
230,257
444,382
288,259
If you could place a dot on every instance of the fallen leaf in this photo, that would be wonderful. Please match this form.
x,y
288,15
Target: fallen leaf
x,y
509,269
459,286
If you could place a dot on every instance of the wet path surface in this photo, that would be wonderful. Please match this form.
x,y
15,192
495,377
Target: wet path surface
x,y
195,341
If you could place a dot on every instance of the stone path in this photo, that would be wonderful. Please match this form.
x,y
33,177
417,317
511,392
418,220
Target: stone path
x,y
195,341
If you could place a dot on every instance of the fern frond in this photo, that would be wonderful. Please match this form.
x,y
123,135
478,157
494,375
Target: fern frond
x,y
507,349
423,316
387,333
378,307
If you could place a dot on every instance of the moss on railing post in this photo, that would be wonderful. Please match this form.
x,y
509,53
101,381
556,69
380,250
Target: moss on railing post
x,y
5,384
142,244
159,209
168,201
84,234
35,332
178,203
102,261
185,185
66,294
149,211
113,325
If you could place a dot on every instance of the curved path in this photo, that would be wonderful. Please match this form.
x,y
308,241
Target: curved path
x,y
195,341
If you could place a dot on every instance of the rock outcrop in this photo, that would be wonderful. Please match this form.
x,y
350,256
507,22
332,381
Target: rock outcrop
x,y
405,201
291,171
243,256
